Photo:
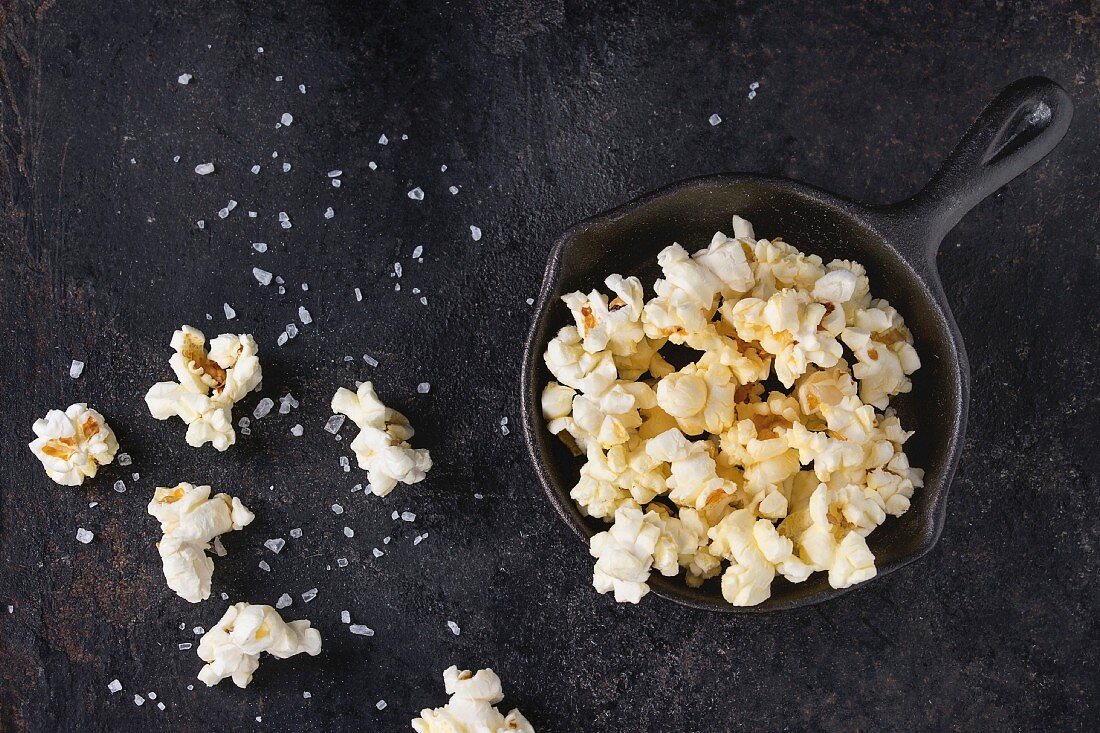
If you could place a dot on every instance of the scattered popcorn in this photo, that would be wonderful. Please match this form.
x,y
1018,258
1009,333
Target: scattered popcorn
x,y
381,446
471,706
755,484
73,444
232,648
76,369
190,518
83,535
209,385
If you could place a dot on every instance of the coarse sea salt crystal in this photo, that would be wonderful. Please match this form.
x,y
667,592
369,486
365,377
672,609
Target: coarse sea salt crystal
x,y
297,430
397,269
223,213
200,224
259,246
337,509
408,517
454,628
160,706
475,233
383,140
377,553
453,190
478,496
139,700
306,694
370,360
83,535
304,316
275,544
284,601
286,167
119,486
93,504
292,331
281,339
357,487
302,88
255,169
372,165
349,532
114,686
714,120
198,631
334,424
296,532
423,387
752,94
184,78
264,566
418,539
336,173
358,295
423,300
76,369
230,314
263,407
329,213
342,562
262,276
152,695
381,704
417,194
530,301
417,251
286,118
443,168
309,595
361,630
345,617
204,169
287,403
184,646
386,540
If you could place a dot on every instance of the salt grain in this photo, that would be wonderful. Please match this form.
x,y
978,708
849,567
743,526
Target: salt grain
x,y
386,540
454,628
287,403
200,224
276,544
345,617
377,553
329,213
306,695
475,233
453,190
423,300
309,595
383,140
423,387
334,424
714,120
83,535
119,486
260,246
381,704
204,169
304,316
296,532
302,88
370,360
297,430
337,509
361,630
264,566
230,314
282,338
255,169
372,165
349,532
139,700
76,369
417,251
114,686
752,94
478,496
292,331
263,407
417,194
286,119
335,173
284,601
262,276
184,646
342,562
286,167
160,706
408,516
443,168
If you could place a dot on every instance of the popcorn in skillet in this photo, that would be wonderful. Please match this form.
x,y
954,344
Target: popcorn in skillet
x,y
233,647
73,444
190,519
210,382
471,707
701,467
382,446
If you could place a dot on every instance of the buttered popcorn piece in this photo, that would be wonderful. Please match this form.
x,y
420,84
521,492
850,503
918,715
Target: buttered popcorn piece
x,y
209,383
696,467
190,520
73,444
382,446
232,648
471,706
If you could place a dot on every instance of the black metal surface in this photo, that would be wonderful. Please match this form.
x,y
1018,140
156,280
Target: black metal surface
x,y
544,112
897,244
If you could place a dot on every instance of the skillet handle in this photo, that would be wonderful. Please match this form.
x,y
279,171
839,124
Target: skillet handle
x,y
1018,128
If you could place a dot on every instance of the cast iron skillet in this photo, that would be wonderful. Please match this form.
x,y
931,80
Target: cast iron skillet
x,y
897,244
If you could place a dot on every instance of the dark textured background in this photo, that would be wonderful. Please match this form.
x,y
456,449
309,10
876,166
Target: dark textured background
x,y
544,114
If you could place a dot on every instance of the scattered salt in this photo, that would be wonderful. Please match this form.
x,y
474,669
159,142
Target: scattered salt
x,y
361,630
349,532
383,140
443,168
372,165
297,430
263,407
120,487
83,535
139,700
184,646
230,314
76,369
262,276
408,516
264,566
292,331
160,706
423,300
386,540
342,562
302,88
306,695
423,387
287,403
370,360
475,233
337,509
200,224
282,338
417,194
358,295
417,251
304,316
309,595
454,628
114,686
335,173
286,167
714,120
377,553
478,496
286,119
276,545
334,424
329,213
453,190
255,169
397,269
204,169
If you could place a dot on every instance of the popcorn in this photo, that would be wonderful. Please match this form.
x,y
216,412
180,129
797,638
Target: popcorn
x,y
73,444
471,707
232,648
697,468
382,447
190,520
210,382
